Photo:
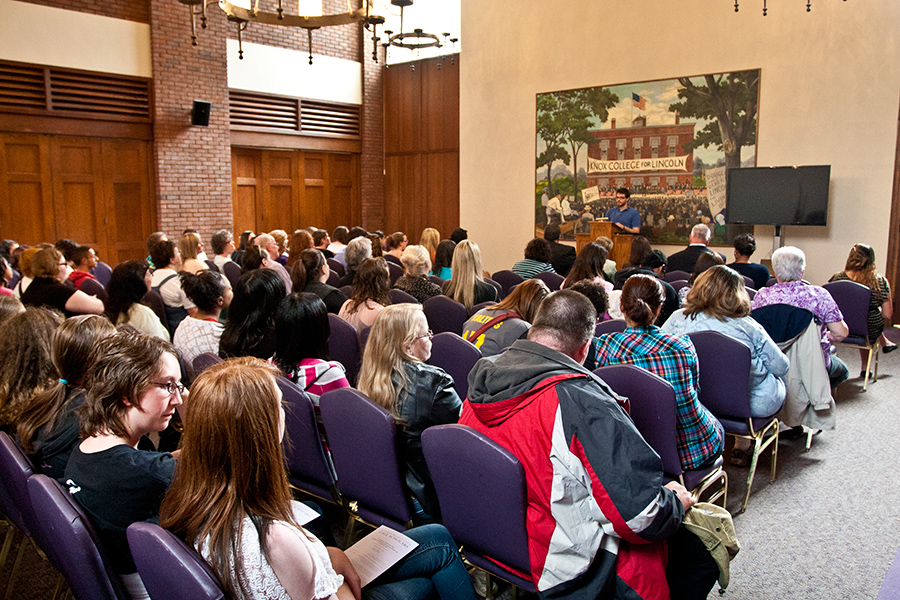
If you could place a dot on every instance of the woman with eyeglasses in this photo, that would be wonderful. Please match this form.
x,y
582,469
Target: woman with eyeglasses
x,y
48,288
134,388
395,376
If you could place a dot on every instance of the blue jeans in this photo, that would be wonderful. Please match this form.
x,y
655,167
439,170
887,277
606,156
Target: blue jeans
x,y
433,570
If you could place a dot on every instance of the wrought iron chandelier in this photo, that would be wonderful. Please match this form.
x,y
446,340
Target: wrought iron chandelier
x,y
417,39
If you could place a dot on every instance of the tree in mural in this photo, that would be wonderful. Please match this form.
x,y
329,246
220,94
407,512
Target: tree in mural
x,y
731,100
577,108
551,129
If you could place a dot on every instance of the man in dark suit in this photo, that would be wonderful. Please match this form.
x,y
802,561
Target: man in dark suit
x,y
687,258
561,255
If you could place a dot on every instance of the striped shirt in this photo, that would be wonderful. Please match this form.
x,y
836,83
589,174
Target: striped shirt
x,y
675,360
527,268
315,377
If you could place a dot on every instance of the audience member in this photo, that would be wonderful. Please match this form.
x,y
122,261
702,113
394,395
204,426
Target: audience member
x,y
687,258
133,388
394,246
537,259
250,328
269,251
10,306
83,260
300,240
27,367
301,350
599,299
47,289
640,248
705,261
377,248
280,237
25,258
495,328
458,235
654,264
310,273
128,284
222,243
699,435
561,255
719,302
789,264
744,247
414,281
201,254
231,500
6,275
48,424
588,266
430,239
371,293
395,376
190,247
609,267
321,241
246,241
467,285
860,267
443,260
358,250
201,331
66,247
152,240
166,281
339,240
581,451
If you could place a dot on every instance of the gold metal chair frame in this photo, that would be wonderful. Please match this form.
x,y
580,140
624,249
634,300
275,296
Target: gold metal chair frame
x,y
707,483
873,351
761,442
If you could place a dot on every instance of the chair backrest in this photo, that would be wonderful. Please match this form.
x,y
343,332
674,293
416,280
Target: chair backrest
x,y
204,361
463,464
457,357
395,271
724,374
169,568
77,549
678,284
506,279
401,297
772,281
611,326
16,276
751,292
333,279
347,290
445,314
212,265
343,346
362,437
482,306
232,272
336,266
391,259
853,299
676,275
308,466
15,469
154,301
102,273
436,280
652,401
553,280
495,285
92,287
748,283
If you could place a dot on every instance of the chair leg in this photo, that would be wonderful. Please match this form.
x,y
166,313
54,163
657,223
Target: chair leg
x,y
15,569
61,587
775,451
753,461
868,366
7,544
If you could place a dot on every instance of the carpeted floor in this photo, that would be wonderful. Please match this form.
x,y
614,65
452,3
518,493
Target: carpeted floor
x,y
827,528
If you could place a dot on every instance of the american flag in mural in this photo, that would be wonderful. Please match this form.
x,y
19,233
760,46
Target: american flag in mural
x,y
639,101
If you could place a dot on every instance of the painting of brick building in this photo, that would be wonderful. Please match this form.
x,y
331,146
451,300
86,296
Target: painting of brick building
x,y
660,139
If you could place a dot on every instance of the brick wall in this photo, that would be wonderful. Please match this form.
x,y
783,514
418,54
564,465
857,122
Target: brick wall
x,y
130,10
372,159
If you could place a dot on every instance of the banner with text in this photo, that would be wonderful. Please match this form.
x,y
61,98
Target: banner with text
x,y
715,189
671,163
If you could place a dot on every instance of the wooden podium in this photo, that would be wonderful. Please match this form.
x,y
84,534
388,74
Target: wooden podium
x,y
621,241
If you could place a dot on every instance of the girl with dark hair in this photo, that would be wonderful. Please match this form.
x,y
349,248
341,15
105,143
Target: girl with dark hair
x,y
6,275
134,387
495,328
538,254
705,261
232,501
699,435
443,260
250,328
200,332
588,265
371,293
301,350
246,242
640,248
128,284
48,425
301,240
860,267
310,273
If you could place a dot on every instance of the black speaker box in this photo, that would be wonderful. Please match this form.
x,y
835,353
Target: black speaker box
x,y
200,113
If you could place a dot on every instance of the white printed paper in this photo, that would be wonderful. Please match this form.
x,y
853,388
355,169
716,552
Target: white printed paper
x,y
378,552
302,513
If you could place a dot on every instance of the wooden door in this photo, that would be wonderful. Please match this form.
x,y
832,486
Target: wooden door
x,y
129,216
78,204
26,194
280,197
246,185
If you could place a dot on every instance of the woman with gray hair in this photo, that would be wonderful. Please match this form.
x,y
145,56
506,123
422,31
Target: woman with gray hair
x,y
789,263
417,263
358,250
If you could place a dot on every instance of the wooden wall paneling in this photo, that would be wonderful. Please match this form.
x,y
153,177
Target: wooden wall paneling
x,y
128,209
403,194
343,191
26,195
403,107
246,183
280,196
314,201
77,174
441,181
440,105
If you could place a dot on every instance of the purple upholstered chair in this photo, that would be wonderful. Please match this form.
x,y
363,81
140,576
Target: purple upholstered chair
x,y
676,275
772,281
309,466
333,279
445,314
336,266
463,464
506,279
391,259
364,338
853,300
725,390
395,271
169,568
751,292
679,283
363,441
748,283
102,273
212,265
436,280
347,290
75,546
553,280
204,361
401,297
652,401
232,272
496,285
611,326
343,346
92,287
457,357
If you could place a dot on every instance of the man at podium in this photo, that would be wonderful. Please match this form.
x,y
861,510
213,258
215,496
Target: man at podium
x,y
623,216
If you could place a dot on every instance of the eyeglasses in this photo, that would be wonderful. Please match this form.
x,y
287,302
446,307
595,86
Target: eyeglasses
x,y
170,386
429,334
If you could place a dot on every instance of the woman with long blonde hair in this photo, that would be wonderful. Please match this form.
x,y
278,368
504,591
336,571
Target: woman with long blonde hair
x,y
231,499
467,285
190,248
418,395
430,239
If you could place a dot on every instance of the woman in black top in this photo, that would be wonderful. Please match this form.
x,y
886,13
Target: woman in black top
x,y
309,275
415,282
50,271
250,328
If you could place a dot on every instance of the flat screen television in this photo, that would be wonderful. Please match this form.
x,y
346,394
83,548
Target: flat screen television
x,y
778,195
